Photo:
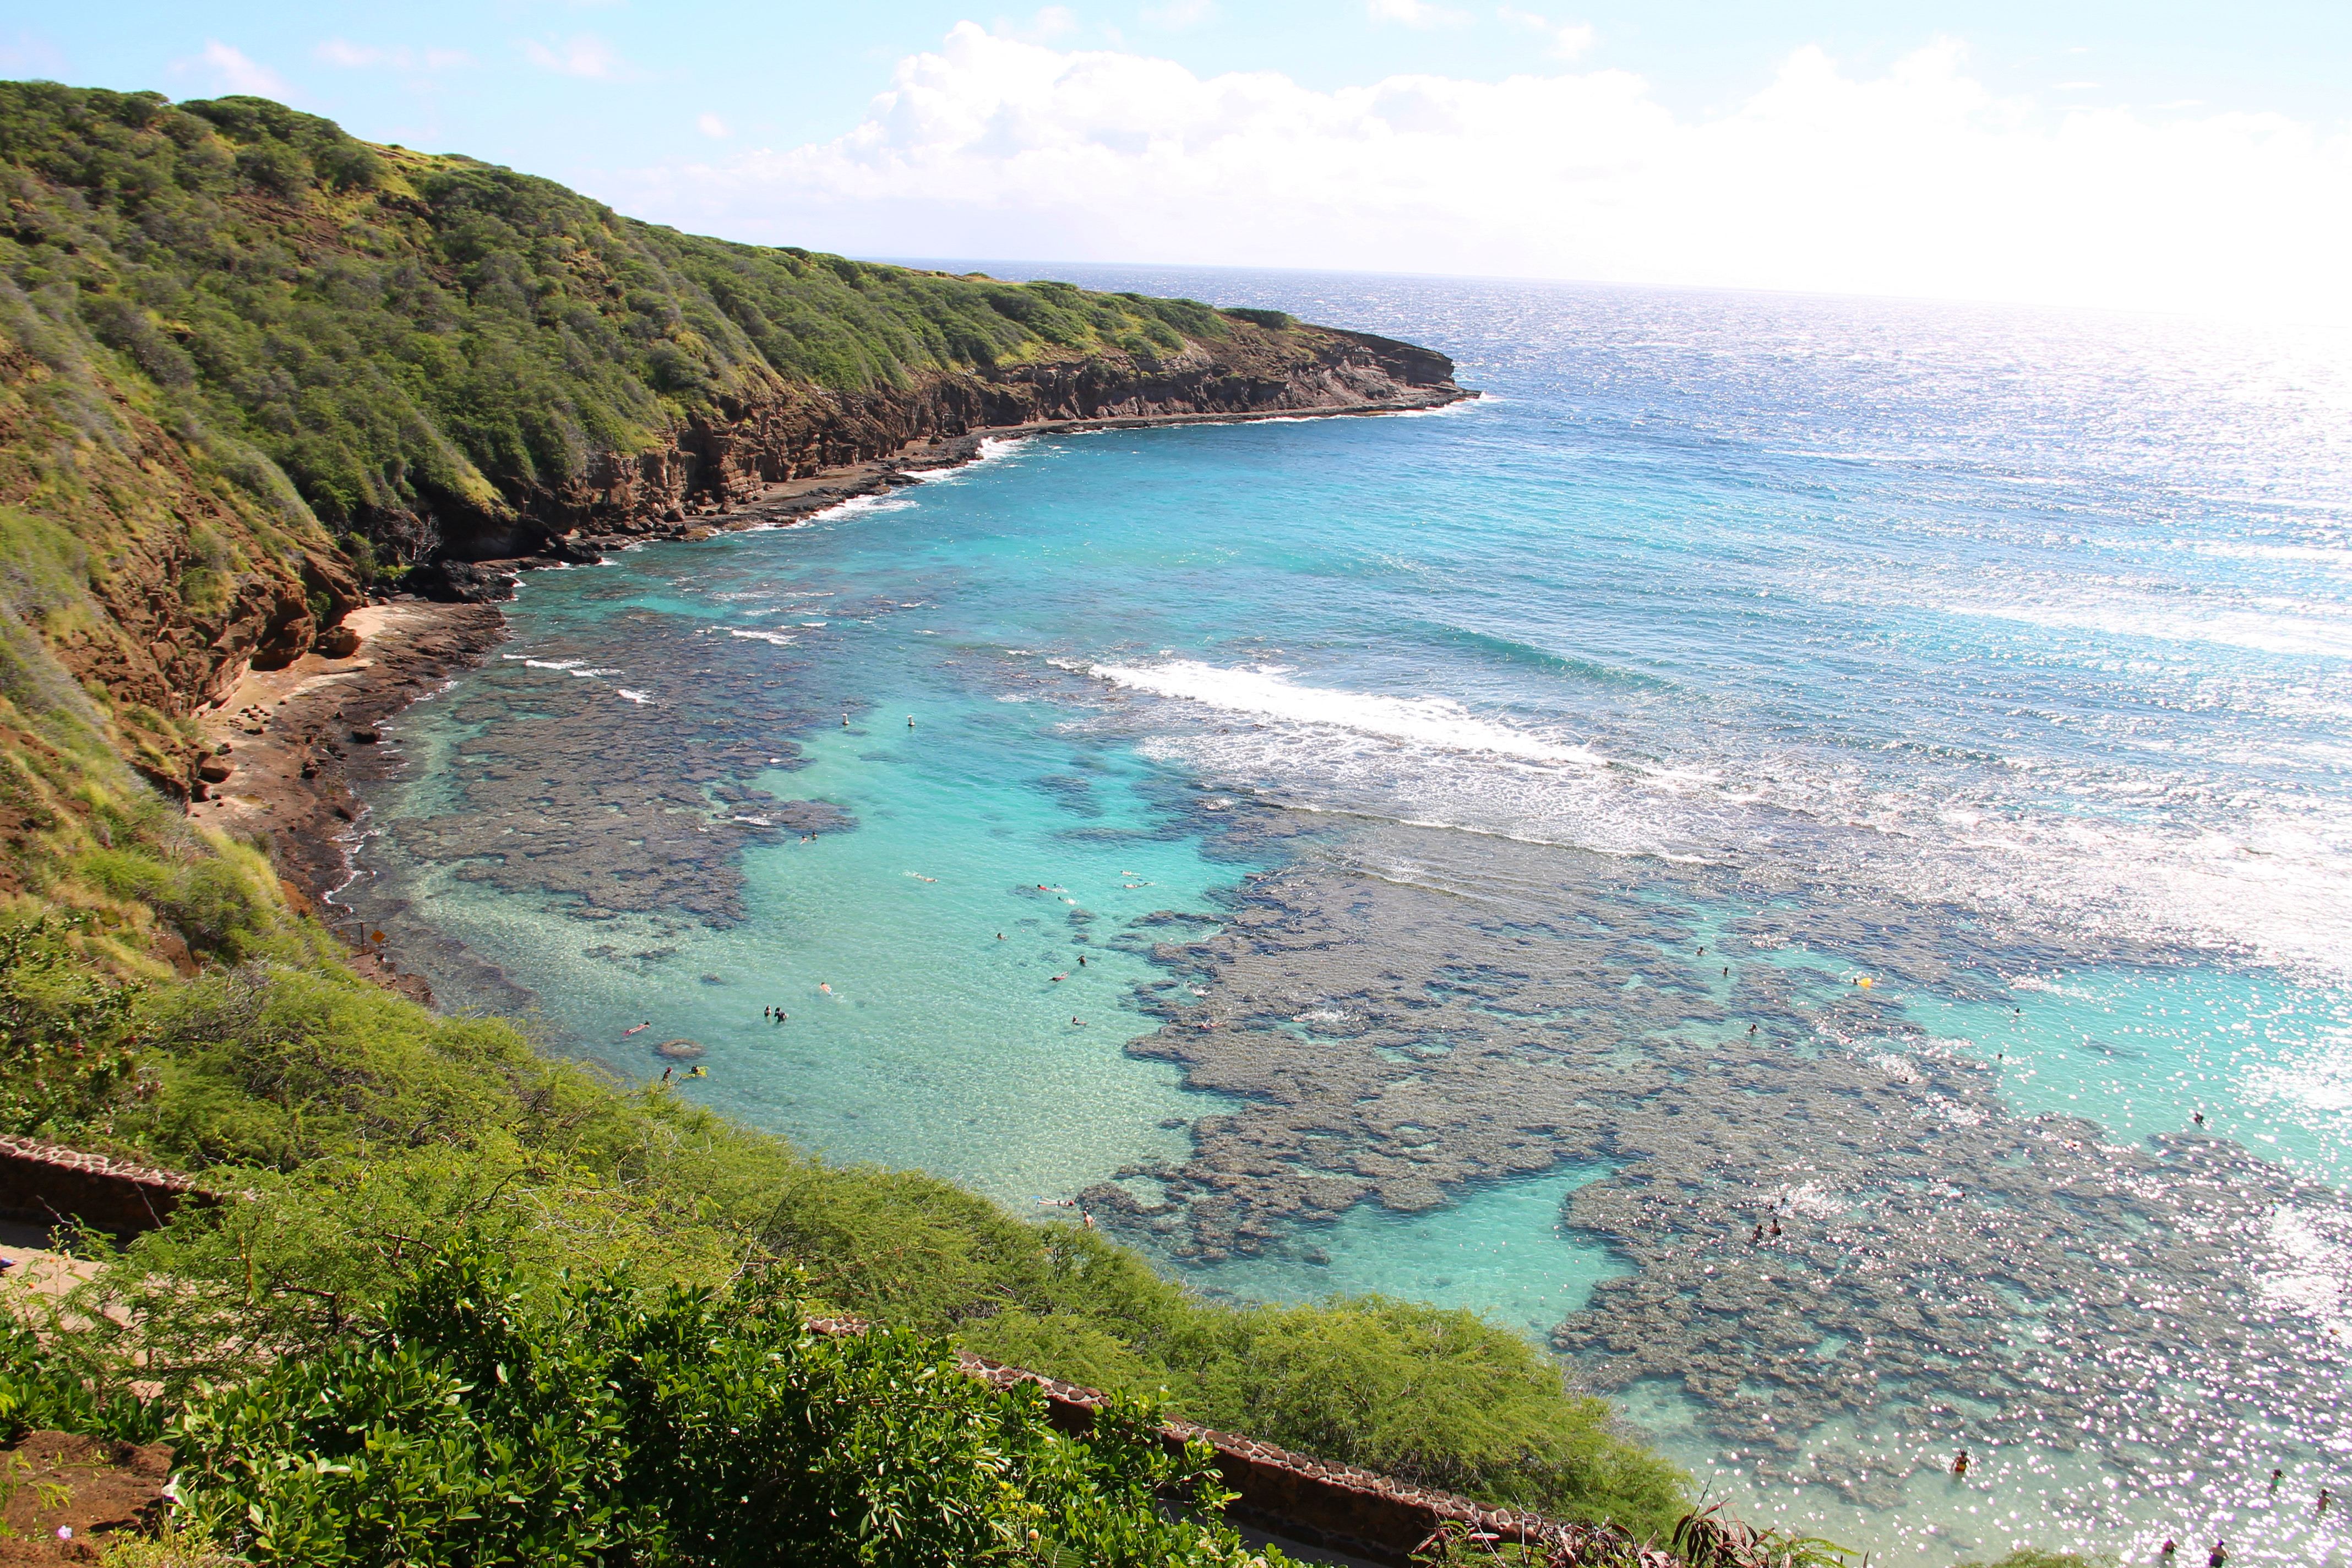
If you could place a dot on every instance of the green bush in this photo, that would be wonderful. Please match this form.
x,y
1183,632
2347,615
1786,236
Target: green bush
x,y
44,1386
483,1420
64,1055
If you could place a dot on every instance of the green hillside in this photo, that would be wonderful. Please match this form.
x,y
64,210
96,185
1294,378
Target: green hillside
x,y
422,344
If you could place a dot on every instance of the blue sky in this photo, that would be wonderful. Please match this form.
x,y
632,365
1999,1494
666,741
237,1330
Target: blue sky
x,y
1892,131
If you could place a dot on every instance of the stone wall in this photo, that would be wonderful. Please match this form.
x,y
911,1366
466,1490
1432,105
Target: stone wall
x,y
46,1184
1294,1499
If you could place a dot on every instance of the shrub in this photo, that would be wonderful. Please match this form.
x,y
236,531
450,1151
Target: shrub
x,y
488,1421
64,1051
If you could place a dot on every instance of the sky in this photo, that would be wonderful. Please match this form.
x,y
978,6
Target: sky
x,y
2140,154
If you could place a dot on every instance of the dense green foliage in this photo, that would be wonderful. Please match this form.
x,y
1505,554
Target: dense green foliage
x,y
478,1419
43,1388
402,334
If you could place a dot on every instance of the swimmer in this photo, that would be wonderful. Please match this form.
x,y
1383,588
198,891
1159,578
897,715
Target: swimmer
x,y
1726,971
1960,1465
767,1012
1751,1028
1757,1238
2277,1476
1776,1228
1000,936
1702,953
640,1030
698,1072
1076,1022
666,1072
2220,1556
825,986
1059,978
2199,1119
2325,1500
1082,960
781,1014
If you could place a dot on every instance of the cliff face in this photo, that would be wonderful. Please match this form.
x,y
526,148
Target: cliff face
x,y
251,368
726,457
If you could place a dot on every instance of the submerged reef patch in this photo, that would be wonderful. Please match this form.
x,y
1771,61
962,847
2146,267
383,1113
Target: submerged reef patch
x,y
1828,1215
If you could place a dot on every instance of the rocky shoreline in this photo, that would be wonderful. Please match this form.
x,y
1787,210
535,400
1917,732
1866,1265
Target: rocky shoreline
x,y
787,501
287,747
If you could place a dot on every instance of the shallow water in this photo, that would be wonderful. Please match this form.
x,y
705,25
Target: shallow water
x,y
1997,660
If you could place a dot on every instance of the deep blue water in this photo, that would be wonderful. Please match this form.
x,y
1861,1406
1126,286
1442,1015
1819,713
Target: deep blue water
x,y
2015,647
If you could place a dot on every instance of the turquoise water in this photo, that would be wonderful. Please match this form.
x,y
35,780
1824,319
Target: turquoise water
x,y
2000,659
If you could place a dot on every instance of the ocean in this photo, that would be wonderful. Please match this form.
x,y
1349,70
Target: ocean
x,y
1873,772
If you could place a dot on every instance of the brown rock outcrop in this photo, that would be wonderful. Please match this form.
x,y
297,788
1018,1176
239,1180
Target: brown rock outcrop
x,y
781,432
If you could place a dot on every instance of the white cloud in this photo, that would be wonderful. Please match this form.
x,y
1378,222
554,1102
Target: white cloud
x,y
711,125
234,71
1050,23
1178,15
1569,39
1413,14
1918,181
583,55
397,56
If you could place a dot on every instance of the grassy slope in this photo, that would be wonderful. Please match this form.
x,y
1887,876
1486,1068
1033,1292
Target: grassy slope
x,y
232,335
404,335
